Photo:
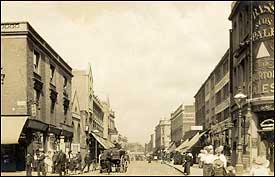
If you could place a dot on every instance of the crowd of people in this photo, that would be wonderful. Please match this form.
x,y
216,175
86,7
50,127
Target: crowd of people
x,y
216,165
57,162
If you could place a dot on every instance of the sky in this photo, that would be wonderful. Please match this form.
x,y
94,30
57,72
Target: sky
x,y
147,57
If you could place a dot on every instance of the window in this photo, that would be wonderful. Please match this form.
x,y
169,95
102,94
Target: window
x,y
212,82
36,58
225,67
52,69
36,96
218,98
52,105
65,82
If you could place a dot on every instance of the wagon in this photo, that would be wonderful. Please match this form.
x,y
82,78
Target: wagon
x,y
117,160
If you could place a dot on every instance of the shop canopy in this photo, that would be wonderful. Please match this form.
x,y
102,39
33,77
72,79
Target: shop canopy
x,y
184,144
105,143
192,142
11,128
171,148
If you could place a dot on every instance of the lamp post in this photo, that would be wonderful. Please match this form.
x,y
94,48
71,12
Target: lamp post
x,y
239,99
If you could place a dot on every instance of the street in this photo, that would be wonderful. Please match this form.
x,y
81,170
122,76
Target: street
x,y
143,168
136,168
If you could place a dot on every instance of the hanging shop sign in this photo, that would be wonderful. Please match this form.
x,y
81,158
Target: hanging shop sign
x,y
263,48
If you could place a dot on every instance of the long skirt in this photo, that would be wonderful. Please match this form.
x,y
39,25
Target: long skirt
x,y
207,169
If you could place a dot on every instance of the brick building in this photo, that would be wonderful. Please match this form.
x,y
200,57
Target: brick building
x,y
36,94
252,51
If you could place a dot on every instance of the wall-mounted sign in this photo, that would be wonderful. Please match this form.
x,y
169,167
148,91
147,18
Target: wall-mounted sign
x,y
267,124
263,48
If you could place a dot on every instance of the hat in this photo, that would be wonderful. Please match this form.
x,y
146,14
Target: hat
x,y
218,163
210,147
219,149
230,168
260,160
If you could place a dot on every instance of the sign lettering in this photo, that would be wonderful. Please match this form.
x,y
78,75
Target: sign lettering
x,y
263,48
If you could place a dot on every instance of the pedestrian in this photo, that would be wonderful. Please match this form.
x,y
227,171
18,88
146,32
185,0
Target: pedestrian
x,y
79,161
218,168
48,162
87,162
109,162
259,167
55,155
188,162
208,161
221,156
201,157
41,163
29,164
60,163
230,171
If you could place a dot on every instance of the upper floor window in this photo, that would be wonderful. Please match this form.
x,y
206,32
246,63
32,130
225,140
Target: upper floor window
x,y
65,82
225,67
52,69
36,60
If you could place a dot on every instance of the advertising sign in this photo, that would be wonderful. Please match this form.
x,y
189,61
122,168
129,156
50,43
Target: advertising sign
x,y
263,48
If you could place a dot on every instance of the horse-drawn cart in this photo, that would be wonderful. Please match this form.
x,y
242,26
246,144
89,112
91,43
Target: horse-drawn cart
x,y
116,159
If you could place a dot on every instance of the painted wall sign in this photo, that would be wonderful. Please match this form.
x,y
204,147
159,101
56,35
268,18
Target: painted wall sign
x,y
263,48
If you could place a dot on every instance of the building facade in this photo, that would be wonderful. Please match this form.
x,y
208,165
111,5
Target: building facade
x,y
181,121
37,94
216,105
163,134
82,84
76,118
252,49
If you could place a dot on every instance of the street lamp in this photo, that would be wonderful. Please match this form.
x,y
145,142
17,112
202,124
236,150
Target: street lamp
x,y
239,99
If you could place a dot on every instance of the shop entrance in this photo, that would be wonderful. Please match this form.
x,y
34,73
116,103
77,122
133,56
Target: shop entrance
x,y
13,157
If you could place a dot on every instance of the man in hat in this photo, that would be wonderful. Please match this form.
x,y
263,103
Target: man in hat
x,y
29,162
87,161
41,163
187,164
259,167
221,156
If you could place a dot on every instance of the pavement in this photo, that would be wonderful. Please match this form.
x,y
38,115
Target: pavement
x,y
196,171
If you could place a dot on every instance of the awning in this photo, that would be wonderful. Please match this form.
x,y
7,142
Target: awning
x,y
105,143
11,128
192,142
184,144
171,148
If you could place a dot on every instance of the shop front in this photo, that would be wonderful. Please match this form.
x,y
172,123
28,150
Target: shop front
x,y
19,135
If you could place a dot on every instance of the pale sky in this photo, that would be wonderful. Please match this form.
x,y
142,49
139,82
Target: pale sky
x,y
149,57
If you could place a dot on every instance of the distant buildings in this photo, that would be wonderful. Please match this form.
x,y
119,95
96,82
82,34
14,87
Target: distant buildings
x,y
181,121
163,134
